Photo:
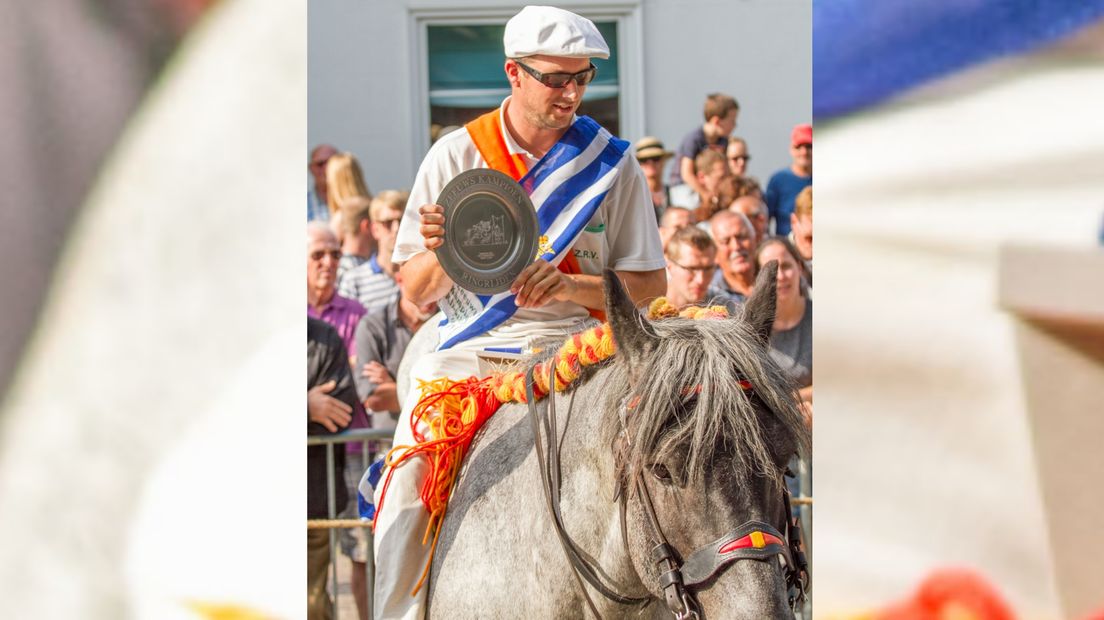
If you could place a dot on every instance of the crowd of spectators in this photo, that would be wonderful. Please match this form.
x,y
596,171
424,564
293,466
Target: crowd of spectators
x,y
717,225
352,286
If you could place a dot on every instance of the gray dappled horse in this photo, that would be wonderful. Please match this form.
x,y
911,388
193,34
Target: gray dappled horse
x,y
664,423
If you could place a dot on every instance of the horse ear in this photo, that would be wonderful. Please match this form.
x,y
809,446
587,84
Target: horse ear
x,y
759,307
631,331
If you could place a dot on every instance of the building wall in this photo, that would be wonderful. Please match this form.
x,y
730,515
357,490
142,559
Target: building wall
x,y
358,87
759,51
364,74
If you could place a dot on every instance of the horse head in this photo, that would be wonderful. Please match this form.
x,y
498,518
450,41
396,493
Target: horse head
x,y
705,425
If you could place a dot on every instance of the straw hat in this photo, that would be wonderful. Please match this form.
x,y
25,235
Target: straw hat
x,y
650,147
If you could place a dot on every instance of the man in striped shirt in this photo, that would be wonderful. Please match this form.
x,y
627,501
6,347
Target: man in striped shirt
x,y
372,283
358,245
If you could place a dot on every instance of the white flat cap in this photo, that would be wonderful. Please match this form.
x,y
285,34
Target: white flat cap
x,y
552,32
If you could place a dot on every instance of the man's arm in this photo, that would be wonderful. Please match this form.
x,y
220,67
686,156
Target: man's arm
x,y
331,395
374,383
385,398
423,279
330,412
380,393
541,283
642,286
634,244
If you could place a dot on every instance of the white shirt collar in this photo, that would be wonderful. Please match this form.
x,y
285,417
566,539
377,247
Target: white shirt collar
x,y
511,145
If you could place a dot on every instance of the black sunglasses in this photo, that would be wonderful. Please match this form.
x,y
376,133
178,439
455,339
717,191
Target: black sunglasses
x,y
560,80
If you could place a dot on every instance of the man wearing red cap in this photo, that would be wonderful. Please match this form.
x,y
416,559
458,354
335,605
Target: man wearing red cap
x,y
786,184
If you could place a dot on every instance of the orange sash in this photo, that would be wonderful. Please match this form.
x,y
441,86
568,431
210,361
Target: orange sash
x,y
486,133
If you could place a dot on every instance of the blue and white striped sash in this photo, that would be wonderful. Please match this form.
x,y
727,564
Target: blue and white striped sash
x,y
566,186
866,51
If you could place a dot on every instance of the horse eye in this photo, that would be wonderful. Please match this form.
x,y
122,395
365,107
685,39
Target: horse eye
x,y
660,471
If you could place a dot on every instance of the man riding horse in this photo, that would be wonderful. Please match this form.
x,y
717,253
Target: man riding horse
x,y
570,166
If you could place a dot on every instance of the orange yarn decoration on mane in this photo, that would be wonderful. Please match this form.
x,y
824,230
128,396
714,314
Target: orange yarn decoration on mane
x,y
455,410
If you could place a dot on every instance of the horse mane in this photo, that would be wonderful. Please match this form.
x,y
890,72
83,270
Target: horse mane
x,y
687,406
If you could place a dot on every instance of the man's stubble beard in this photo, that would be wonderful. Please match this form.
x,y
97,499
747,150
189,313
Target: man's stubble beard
x,y
545,122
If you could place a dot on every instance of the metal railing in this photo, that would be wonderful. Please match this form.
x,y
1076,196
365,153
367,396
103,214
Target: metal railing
x,y
803,503
366,436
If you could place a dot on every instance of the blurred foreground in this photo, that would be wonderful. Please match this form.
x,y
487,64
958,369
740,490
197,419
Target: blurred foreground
x,y
924,446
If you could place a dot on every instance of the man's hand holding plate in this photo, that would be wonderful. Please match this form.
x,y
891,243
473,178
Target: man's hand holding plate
x,y
433,226
540,283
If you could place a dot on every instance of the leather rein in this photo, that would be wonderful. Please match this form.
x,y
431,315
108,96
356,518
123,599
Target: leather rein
x,y
752,540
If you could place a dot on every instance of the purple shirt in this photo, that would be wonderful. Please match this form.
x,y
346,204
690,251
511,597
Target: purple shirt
x,y
344,314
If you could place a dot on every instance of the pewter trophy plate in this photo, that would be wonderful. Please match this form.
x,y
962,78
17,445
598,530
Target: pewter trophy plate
x,y
491,231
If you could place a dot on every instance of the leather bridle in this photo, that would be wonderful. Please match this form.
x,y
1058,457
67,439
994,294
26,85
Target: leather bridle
x,y
679,580
752,540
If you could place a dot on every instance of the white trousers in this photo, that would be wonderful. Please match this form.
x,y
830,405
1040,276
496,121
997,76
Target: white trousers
x,y
402,520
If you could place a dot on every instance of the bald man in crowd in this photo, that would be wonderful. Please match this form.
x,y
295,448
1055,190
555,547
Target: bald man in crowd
x,y
735,239
756,211
673,220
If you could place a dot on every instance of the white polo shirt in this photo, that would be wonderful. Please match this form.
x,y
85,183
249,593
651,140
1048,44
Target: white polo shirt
x,y
621,235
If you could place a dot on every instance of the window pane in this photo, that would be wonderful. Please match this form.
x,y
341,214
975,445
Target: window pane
x,y
466,77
